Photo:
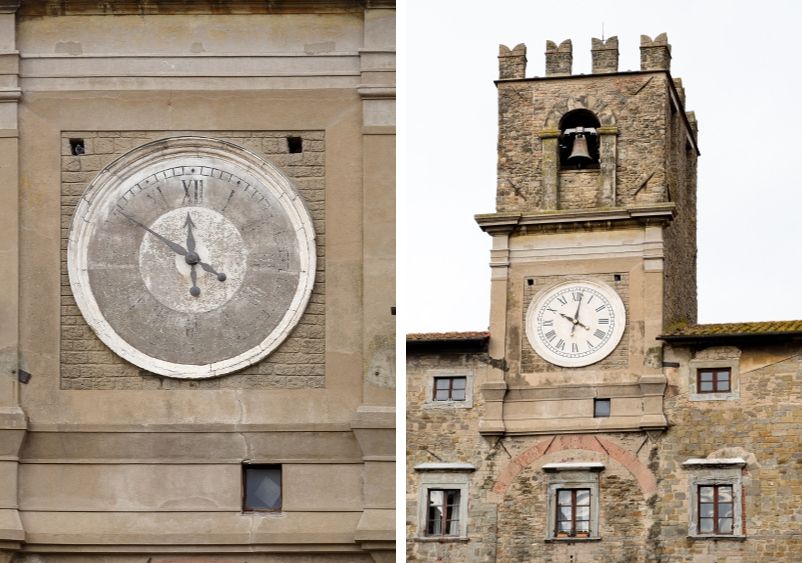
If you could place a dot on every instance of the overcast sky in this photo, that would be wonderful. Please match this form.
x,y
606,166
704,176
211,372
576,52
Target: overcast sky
x,y
739,63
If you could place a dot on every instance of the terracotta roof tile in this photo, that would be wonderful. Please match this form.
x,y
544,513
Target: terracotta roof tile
x,y
763,328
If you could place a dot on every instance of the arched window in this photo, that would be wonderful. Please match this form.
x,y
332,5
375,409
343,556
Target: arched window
x,y
579,140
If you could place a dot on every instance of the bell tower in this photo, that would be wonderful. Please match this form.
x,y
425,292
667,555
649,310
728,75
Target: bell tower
x,y
594,240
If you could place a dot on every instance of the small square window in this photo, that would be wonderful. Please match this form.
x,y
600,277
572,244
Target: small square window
x,y
262,488
449,388
713,380
601,408
295,145
442,512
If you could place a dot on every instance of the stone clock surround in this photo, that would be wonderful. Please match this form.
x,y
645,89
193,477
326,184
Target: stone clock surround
x,y
87,363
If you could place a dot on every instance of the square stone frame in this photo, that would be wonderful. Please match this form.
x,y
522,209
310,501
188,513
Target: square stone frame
x,y
443,476
573,476
715,472
430,403
735,379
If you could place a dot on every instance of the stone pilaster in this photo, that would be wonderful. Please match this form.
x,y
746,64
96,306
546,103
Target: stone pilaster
x,y
12,419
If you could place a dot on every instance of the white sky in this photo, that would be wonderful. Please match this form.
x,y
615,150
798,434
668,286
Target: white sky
x,y
739,62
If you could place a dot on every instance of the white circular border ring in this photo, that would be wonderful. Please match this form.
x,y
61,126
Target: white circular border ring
x,y
104,189
618,329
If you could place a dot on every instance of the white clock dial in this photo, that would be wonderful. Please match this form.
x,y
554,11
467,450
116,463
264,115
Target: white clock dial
x,y
576,324
191,257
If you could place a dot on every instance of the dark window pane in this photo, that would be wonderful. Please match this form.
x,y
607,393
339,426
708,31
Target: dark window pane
x,y
565,526
458,383
583,513
706,510
441,383
263,487
564,513
582,497
441,395
705,386
725,510
601,407
564,497
725,493
705,494
583,526
705,376
706,525
458,394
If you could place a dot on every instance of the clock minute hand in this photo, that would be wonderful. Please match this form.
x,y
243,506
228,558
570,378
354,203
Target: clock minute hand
x,y
177,248
220,275
190,237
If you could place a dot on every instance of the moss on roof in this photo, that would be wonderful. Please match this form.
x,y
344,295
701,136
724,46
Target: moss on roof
x,y
447,336
763,328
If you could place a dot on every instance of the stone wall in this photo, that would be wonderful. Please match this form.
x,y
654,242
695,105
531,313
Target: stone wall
x,y
87,363
763,427
636,103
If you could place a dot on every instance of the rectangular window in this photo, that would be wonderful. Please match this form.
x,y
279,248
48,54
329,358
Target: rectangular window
x,y
449,388
573,513
262,488
442,512
715,509
601,408
713,380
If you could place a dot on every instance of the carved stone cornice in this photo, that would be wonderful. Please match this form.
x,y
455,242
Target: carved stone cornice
x,y
9,6
144,7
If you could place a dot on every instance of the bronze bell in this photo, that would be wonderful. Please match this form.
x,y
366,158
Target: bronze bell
x,y
580,149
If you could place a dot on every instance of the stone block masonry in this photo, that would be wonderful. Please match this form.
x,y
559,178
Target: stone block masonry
x,y
86,363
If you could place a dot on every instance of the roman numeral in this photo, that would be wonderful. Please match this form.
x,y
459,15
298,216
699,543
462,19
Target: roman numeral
x,y
562,299
574,348
560,344
604,321
549,322
550,335
577,296
590,346
590,298
600,308
193,191
599,334
552,310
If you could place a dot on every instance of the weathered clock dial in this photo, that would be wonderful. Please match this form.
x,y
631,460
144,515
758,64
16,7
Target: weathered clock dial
x,y
191,257
576,324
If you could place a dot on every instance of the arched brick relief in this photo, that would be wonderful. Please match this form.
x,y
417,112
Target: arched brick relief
x,y
627,459
599,108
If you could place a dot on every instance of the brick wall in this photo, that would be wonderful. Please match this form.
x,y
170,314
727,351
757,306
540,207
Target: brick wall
x,y
86,363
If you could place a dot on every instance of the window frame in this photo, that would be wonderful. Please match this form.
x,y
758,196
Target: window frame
x,y
444,521
451,379
573,476
431,375
716,531
245,468
443,476
695,366
574,506
716,472
714,371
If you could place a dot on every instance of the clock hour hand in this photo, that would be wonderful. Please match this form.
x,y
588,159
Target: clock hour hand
x,y
194,291
220,275
563,315
177,248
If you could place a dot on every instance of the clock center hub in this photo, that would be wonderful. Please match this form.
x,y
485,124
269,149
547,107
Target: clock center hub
x,y
217,262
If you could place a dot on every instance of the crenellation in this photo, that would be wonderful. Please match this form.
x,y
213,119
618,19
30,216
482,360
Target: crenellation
x,y
604,55
655,54
559,58
512,62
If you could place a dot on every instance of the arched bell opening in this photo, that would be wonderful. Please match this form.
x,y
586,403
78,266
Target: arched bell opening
x,y
579,140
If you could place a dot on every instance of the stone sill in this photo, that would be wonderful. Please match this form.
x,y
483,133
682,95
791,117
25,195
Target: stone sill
x,y
716,538
442,539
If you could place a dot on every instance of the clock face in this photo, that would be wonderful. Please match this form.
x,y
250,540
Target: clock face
x,y
191,257
576,323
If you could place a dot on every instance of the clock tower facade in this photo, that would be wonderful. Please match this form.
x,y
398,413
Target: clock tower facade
x,y
594,245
